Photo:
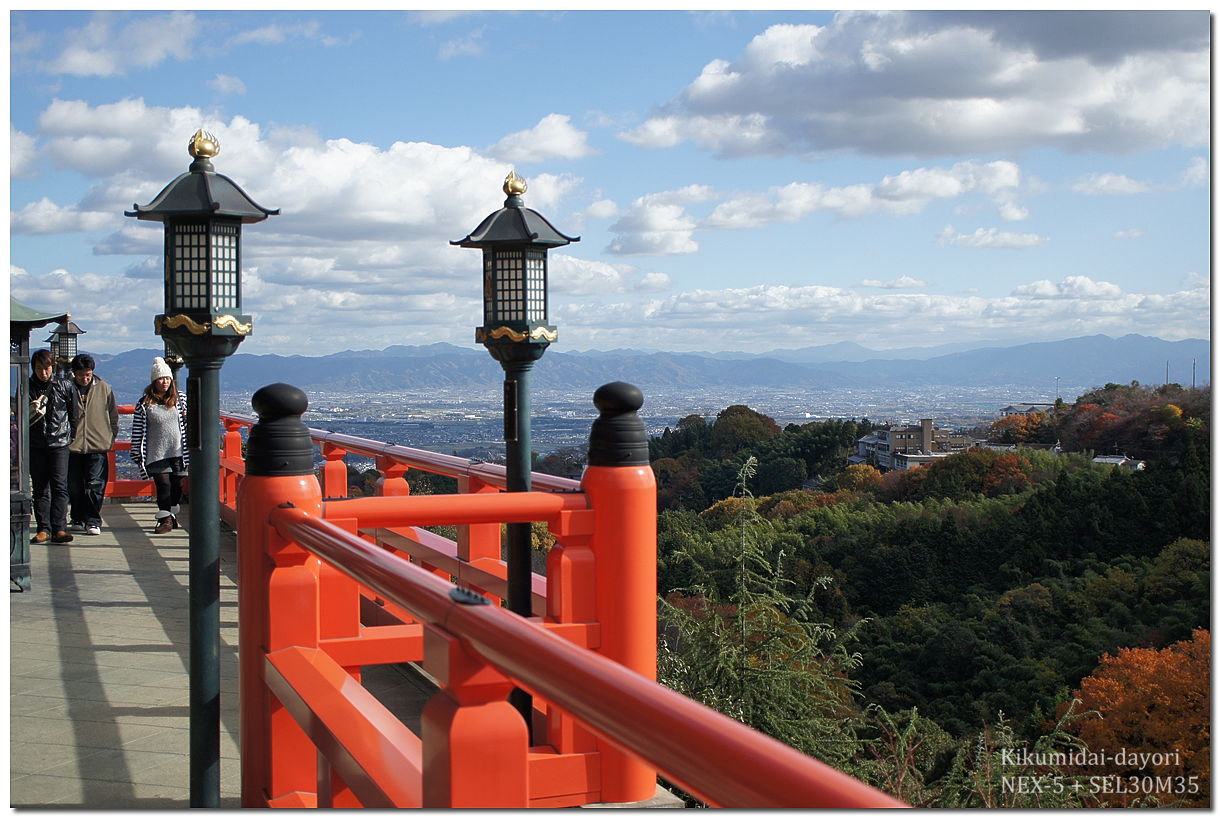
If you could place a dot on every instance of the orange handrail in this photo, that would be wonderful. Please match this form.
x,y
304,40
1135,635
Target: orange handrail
x,y
121,487
445,464
721,761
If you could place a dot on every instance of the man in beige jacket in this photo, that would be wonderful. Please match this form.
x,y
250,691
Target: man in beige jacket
x,y
88,467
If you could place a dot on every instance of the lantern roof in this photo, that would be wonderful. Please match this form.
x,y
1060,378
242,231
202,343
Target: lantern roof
x,y
201,191
68,327
515,223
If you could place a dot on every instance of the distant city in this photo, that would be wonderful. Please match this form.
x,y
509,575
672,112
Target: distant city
x,y
469,422
447,399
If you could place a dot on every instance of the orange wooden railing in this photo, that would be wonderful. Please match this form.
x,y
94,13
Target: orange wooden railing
x,y
117,487
311,735
475,553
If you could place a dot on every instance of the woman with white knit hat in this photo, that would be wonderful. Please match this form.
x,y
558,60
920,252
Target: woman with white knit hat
x,y
158,442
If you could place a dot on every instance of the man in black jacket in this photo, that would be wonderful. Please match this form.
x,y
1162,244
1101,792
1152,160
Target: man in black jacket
x,y
53,415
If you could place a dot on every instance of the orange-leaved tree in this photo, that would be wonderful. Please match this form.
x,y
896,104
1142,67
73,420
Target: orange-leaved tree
x,y
1155,723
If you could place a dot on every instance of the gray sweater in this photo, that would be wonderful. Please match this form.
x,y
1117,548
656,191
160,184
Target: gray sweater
x,y
141,433
164,437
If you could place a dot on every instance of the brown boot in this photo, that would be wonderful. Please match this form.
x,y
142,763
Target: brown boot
x,y
40,538
164,525
61,537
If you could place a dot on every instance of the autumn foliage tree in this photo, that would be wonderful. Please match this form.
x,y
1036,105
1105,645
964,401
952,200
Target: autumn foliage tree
x,y
1155,702
1035,427
1141,421
859,477
1007,476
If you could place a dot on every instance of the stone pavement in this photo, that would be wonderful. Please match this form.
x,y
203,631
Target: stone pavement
x,y
98,671
98,659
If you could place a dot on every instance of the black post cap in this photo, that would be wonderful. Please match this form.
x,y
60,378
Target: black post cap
x,y
279,444
618,437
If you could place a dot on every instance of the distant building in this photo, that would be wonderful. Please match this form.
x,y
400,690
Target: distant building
x,y
1120,461
1053,448
1026,408
904,447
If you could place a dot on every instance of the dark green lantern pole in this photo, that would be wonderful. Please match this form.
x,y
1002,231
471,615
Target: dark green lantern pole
x,y
203,213
516,331
173,360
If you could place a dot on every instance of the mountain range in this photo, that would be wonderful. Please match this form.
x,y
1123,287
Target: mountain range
x,y
1082,362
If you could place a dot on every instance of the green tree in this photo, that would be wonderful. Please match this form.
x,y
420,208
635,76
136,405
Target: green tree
x,y
754,653
780,474
739,428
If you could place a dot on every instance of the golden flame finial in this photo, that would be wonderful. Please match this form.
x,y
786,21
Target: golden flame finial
x,y
514,185
203,145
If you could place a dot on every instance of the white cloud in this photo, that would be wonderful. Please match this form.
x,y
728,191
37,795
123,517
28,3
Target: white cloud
x,y
654,283
22,154
116,311
1013,212
901,194
469,44
553,137
658,224
903,282
351,238
728,134
103,49
227,84
344,191
45,217
136,148
436,18
1198,174
1108,184
928,83
764,314
602,209
1133,233
569,276
277,34
989,239
1072,287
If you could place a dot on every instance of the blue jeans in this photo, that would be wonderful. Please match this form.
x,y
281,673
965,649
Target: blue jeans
x,y
49,475
87,474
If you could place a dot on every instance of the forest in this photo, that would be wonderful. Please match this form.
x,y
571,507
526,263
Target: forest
x,y
954,632
1005,627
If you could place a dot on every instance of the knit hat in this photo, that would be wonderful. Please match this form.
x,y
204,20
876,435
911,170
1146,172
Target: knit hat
x,y
160,369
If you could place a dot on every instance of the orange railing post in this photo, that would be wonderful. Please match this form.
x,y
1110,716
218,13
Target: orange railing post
x,y
279,469
476,745
230,462
340,600
117,488
393,480
623,493
334,471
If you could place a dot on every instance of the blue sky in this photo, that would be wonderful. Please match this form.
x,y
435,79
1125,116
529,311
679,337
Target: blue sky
x,y
739,180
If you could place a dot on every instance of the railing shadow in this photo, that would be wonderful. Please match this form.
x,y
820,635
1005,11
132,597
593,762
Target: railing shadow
x,y
102,752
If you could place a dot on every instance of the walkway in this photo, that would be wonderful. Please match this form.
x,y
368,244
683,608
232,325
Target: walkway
x,y
98,672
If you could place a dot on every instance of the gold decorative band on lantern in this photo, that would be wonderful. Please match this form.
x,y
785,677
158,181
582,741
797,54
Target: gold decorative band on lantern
x,y
232,323
196,328
481,335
